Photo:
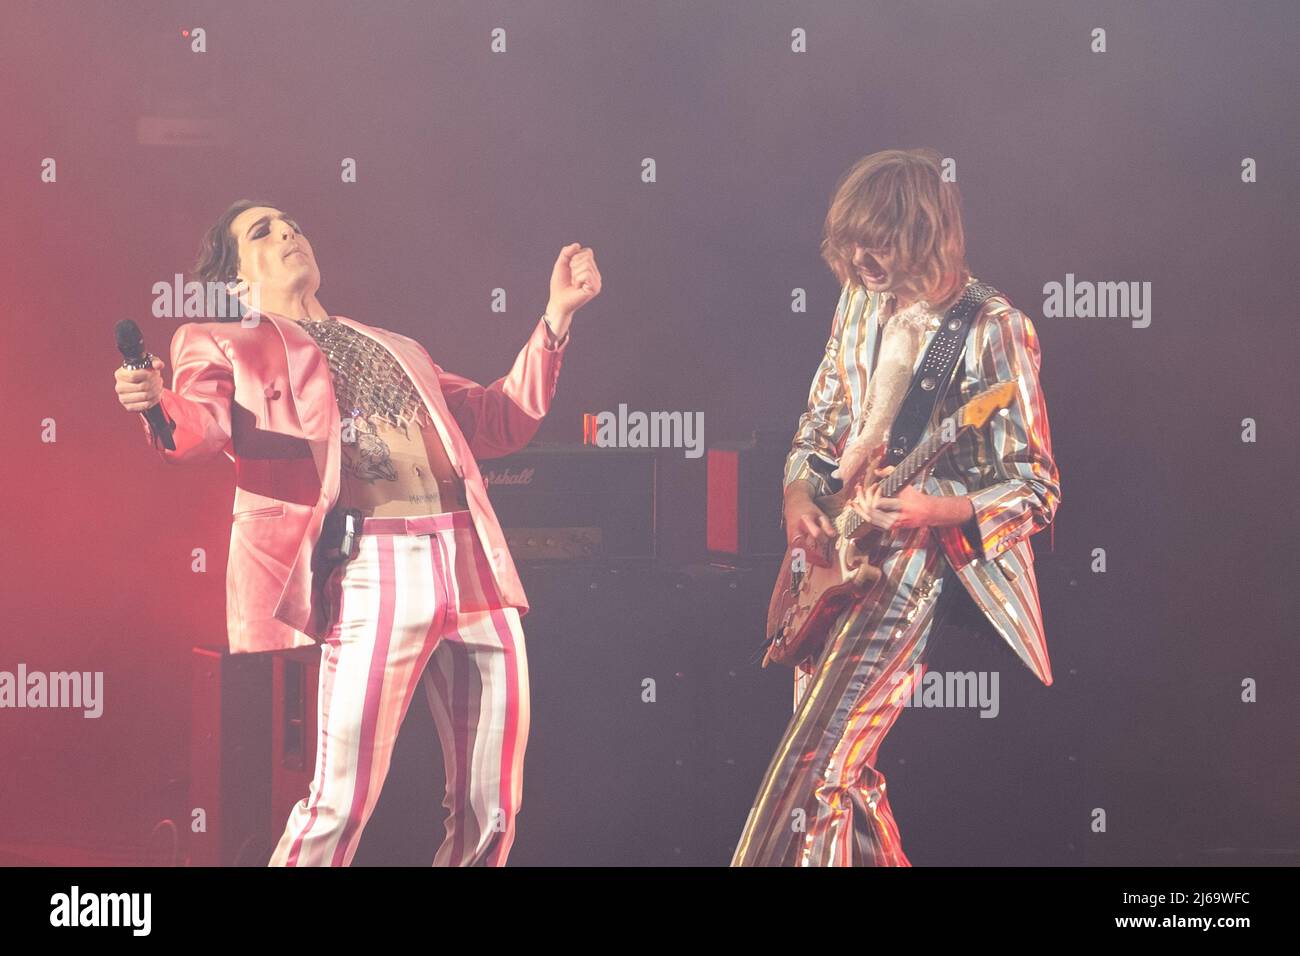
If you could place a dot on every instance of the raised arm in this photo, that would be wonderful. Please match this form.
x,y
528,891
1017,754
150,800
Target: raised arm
x,y
502,418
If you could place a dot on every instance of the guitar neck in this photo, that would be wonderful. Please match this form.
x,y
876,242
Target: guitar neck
x,y
911,466
849,521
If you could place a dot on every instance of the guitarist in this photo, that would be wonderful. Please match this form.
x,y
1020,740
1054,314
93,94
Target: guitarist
x,y
894,239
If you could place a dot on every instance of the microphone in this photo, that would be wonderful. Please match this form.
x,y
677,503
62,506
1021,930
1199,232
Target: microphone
x,y
130,342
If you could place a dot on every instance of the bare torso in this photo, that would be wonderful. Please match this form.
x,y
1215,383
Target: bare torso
x,y
392,459
394,471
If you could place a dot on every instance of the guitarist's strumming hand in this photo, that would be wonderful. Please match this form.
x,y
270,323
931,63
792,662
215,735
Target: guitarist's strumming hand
x,y
806,525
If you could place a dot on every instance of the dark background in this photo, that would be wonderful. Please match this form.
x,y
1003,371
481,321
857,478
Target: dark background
x,y
474,169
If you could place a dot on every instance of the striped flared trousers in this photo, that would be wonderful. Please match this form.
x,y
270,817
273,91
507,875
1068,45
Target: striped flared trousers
x,y
417,607
822,801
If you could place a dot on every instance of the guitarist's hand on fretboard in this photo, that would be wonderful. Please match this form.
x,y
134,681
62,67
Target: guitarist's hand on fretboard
x,y
913,509
870,503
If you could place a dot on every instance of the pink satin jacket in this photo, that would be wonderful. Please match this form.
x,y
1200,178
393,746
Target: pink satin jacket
x,y
260,392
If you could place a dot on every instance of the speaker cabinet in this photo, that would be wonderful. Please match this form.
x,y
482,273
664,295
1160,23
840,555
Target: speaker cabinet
x,y
229,756
295,677
744,497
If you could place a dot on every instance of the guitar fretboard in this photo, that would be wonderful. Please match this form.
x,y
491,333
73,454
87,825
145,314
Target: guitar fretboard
x,y
849,521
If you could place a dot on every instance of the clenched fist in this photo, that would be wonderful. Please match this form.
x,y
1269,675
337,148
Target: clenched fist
x,y
139,389
575,280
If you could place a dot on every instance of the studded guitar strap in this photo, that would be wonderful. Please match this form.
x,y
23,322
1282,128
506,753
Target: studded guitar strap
x,y
934,375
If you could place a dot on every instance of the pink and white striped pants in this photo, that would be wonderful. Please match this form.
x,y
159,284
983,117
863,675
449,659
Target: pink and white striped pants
x,y
417,605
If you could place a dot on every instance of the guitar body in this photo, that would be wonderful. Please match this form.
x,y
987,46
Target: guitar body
x,y
814,588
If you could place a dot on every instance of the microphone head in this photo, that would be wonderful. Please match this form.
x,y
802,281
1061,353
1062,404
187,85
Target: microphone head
x,y
130,340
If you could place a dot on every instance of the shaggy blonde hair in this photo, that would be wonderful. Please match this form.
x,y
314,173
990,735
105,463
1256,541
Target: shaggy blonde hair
x,y
896,199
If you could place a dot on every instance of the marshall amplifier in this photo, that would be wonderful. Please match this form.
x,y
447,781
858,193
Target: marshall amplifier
x,y
574,502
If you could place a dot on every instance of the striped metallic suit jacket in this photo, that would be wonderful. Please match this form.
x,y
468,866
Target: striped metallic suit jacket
x,y
1006,467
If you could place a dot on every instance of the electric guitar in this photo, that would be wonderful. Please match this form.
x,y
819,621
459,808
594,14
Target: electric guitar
x,y
813,590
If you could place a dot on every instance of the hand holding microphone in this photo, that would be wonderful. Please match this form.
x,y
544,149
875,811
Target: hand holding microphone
x,y
139,382
139,389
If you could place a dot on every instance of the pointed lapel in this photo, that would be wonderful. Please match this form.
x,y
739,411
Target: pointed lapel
x,y
872,338
305,362
312,390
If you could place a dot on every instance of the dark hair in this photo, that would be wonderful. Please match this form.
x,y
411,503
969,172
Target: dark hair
x,y
219,253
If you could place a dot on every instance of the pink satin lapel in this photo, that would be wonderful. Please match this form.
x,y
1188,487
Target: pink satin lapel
x,y
313,398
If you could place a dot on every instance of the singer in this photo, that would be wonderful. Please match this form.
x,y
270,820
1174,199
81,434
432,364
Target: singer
x,y
361,523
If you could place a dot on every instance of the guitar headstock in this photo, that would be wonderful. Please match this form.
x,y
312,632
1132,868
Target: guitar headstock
x,y
981,408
